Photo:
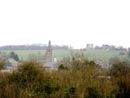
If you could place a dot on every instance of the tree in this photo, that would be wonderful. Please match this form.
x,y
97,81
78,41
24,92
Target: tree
x,y
114,60
119,69
93,93
62,67
120,74
14,56
30,80
2,63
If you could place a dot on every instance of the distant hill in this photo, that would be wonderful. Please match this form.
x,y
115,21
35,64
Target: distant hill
x,y
31,47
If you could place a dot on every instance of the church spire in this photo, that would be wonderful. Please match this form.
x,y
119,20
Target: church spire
x,y
49,44
48,55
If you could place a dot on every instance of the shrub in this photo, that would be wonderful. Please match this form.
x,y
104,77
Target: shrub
x,y
29,81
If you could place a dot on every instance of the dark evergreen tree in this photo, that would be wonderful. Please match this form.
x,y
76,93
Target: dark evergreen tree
x,y
14,56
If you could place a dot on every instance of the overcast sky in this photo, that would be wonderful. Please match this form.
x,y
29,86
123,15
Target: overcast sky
x,y
69,22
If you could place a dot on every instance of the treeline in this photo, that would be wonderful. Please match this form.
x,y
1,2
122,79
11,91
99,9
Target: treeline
x,y
31,47
76,78
106,47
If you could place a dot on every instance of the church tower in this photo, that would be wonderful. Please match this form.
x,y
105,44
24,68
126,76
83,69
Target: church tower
x,y
48,54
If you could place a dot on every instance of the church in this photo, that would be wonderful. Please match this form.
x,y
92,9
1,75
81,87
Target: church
x,y
49,62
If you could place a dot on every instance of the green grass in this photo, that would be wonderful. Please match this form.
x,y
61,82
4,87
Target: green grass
x,y
60,54
104,54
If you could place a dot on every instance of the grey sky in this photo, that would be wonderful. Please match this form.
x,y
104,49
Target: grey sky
x,y
70,22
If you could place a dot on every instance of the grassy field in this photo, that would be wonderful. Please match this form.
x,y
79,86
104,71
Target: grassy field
x,y
104,55
38,54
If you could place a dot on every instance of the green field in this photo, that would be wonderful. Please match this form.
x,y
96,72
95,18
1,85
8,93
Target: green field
x,y
104,55
37,54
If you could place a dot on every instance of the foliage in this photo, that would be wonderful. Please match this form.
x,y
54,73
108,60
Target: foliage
x,y
30,81
92,93
62,67
114,60
14,56
119,69
78,78
120,74
71,93
2,63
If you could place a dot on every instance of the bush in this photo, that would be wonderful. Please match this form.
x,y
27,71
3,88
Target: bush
x,y
71,93
114,60
93,93
82,79
2,64
120,74
29,81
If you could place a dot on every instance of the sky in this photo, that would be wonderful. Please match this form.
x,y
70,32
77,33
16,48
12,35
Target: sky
x,y
65,22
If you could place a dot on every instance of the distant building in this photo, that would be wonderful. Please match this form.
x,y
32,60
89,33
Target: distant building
x,y
11,64
89,46
49,62
103,64
48,54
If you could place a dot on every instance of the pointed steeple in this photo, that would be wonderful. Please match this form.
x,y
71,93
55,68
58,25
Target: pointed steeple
x,y
49,53
49,44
